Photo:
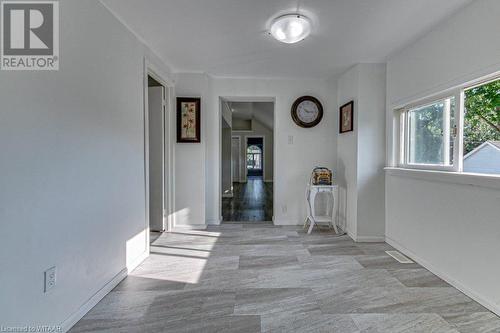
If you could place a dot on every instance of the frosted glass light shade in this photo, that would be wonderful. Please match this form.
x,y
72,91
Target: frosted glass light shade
x,y
291,28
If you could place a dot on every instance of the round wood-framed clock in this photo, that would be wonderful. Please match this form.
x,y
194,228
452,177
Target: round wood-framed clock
x,y
307,111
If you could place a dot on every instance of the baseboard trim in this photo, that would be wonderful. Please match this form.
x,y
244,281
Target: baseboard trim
x,y
352,235
213,222
268,181
277,221
96,298
466,290
369,239
190,227
227,195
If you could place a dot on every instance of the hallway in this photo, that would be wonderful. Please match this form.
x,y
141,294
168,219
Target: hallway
x,y
160,155
253,278
252,201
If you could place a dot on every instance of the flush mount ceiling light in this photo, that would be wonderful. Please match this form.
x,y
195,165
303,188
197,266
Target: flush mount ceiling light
x,y
290,28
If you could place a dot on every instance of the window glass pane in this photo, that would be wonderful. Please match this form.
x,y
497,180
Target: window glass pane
x,y
482,129
430,133
253,149
257,162
249,161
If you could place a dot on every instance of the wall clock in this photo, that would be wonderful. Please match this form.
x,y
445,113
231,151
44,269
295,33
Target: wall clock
x,y
307,111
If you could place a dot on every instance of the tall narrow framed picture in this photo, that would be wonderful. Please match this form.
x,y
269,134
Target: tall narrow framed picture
x,y
346,121
188,119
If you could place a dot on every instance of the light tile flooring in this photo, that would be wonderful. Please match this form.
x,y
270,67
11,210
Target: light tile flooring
x,y
261,278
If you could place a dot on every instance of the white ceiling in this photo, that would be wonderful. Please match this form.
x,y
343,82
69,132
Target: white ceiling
x,y
229,38
262,111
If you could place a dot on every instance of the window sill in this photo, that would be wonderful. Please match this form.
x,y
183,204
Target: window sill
x,y
460,178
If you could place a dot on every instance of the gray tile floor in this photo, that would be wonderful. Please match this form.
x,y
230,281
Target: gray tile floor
x,y
260,278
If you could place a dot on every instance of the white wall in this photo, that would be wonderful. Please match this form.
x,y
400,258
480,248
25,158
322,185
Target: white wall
x,y
226,140
72,191
361,153
242,124
347,152
371,153
258,130
190,157
463,48
450,226
294,162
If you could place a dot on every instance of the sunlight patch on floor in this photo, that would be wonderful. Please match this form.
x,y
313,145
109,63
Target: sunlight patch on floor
x,y
179,256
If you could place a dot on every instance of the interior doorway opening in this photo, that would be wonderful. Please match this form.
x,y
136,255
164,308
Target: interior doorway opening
x,y
156,158
247,161
255,157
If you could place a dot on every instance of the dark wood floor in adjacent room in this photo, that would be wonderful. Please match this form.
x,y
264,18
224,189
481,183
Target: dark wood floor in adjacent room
x,y
252,201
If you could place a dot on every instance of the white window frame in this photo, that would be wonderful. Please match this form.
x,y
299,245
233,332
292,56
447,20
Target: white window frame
x,y
403,128
401,141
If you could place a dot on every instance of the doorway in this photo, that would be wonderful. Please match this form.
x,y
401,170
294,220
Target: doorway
x,y
255,157
156,158
247,161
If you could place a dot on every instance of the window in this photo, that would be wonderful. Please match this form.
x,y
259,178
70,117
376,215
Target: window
x,y
254,158
482,128
430,139
459,131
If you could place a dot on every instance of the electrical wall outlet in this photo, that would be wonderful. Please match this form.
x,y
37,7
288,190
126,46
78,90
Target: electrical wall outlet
x,y
49,277
284,208
290,139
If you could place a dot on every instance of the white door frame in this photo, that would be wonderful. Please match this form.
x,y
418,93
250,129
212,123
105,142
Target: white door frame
x,y
168,161
223,99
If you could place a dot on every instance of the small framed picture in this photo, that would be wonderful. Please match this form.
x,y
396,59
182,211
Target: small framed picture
x,y
346,122
188,119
